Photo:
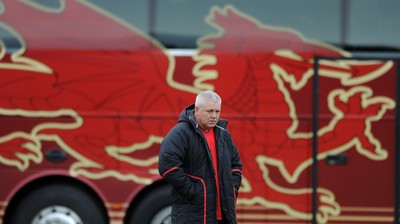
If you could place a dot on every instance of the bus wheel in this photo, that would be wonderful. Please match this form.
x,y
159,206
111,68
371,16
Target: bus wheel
x,y
58,204
155,208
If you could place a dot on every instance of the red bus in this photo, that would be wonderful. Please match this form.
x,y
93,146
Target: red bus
x,y
89,88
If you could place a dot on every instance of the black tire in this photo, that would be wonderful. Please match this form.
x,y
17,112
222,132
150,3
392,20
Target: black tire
x,y
154,208
58,202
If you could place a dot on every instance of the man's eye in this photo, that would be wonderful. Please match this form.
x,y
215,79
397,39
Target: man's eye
x,y
212,111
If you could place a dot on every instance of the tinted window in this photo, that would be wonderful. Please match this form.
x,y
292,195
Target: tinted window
x,y
353,24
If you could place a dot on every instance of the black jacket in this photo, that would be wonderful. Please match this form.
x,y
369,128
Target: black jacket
x,y
185,162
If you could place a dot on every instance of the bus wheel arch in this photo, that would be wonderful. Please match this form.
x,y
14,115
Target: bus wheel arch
x,y
153,205
44,191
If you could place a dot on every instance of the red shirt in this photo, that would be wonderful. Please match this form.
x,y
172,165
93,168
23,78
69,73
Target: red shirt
x,y
213,150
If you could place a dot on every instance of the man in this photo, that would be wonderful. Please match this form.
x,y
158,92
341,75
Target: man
x,y
200,160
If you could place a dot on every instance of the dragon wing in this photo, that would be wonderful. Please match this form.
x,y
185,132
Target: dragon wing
x,y
76,55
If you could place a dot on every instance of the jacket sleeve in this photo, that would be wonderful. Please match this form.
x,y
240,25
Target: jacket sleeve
x,y
236,165
170,163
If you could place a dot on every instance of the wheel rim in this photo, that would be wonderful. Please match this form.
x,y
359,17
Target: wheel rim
x,y
163,216
57,215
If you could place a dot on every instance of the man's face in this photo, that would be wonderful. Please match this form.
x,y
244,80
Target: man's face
x,y
208,115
